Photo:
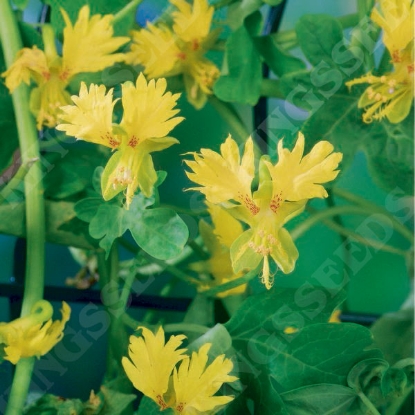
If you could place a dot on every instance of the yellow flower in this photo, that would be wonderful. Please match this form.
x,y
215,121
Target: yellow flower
x,y
218,240
152,362
391,95
283,191
195,383
34,334
180,50
397,22
149,115
188,390
88,46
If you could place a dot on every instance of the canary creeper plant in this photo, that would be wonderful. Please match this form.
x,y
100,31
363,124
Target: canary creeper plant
x,y
96,106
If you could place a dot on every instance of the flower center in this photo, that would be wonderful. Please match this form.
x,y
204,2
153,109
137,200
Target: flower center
x,y
122,177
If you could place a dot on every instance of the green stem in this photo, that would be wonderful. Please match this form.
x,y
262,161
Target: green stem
x,y
15,181
338,210
271,88
126,10
190,212
35,211
117,336
364,241
398,226
198,250
126,289
29,147
20,387
178,273
368,404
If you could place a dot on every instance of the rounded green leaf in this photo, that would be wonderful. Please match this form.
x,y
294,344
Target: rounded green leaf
x,y
160,232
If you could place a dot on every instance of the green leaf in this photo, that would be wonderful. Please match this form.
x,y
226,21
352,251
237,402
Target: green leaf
x,y
279,61
320,353
218,336
69,170
318,35
389,148
278,309
159,232
321,399
390,157
114,402
107,225
87,208
379,383
393,333
30,35
241,82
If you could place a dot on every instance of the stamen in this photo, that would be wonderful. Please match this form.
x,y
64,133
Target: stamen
x,y
249,203
133,141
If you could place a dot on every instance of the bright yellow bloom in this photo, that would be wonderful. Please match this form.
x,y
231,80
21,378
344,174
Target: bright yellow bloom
x,y
283,191
218,240
180,50
149,115
188,390
88,46
152,362
195,383
397,22
34,334
391,95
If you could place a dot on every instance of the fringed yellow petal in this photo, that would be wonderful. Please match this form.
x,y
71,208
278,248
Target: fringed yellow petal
x,y
35,334
296,177
195,383
89,45
149,111
224,176
29,64
155,48
90,118
192,24
151,362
